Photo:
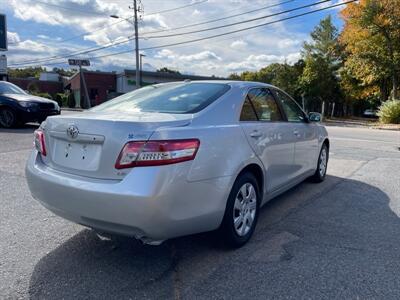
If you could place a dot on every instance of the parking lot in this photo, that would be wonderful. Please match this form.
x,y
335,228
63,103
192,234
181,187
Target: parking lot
x,y
339,239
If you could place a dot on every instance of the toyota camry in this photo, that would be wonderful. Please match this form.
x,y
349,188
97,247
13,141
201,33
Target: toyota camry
x,y
175,159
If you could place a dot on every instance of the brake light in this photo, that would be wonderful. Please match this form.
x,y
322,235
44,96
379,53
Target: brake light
x,y
39,142
156,153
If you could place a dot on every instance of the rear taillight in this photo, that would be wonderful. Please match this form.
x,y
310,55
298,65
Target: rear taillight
x,y
39,142
156,153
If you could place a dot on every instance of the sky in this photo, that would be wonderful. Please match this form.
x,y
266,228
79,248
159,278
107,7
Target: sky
x,y
48,32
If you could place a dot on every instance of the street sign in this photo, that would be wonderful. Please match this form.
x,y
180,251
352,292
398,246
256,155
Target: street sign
x,y
79,62
3,33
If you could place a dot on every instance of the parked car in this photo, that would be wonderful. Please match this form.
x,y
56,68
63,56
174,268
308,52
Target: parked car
x,y
175,159
370,113
18,107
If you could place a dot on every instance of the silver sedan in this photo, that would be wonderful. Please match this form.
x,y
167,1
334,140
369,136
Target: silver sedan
x,y
175,159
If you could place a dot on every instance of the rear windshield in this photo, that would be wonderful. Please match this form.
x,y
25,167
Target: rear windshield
x,y
179,98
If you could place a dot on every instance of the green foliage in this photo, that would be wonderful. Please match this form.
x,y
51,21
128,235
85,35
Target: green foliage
x,y
33,87
63,72
324,43
167,70
62,99
283,76
34,72
26,72
389,112
319,81
43,95
71,101
371,38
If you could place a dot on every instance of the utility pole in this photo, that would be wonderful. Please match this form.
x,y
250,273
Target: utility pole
x,y
136,44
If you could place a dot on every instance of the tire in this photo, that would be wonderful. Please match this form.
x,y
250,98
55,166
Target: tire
x,y
243,209
323,158
8,118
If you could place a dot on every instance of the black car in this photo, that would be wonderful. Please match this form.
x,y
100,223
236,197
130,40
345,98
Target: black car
x,y
18,107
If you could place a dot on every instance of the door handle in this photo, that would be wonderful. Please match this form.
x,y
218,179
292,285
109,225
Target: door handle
x,y
296,133
255,134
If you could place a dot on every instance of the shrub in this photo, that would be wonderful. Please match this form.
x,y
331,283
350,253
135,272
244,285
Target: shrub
x,y
59,98
389,112
71,101
43,95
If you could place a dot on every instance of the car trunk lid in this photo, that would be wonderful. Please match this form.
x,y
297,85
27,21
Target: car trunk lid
x,y
88,144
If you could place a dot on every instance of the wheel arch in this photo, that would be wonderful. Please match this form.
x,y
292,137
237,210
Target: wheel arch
x,y
327,143
258,173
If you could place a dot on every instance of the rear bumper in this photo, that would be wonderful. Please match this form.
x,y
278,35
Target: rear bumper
x,y
150,202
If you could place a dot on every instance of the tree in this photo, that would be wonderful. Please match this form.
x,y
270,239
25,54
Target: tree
x,y
371,37
26,72
284,76
167,70
63,72
320,78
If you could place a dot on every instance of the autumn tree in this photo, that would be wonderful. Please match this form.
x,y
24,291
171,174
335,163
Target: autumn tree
x,y
371,38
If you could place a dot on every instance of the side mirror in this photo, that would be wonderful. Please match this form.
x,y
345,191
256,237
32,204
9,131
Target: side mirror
x,y
314,117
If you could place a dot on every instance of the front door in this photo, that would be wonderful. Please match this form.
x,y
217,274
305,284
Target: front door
x,y
269,135
306,146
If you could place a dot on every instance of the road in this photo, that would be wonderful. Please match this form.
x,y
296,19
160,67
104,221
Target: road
x,y
339,239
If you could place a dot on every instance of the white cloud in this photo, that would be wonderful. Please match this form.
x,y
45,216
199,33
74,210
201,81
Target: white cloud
x,y
239,44
204,55
256,62
165,53
248,50
12,37
286,43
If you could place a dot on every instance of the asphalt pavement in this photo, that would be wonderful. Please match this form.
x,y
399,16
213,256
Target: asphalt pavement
x,y
335,240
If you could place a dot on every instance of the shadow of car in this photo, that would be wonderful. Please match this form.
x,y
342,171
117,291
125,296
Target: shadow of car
x,y
321,245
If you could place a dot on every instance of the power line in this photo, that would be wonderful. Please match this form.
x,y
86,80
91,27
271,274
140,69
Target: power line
x,y
86,51
220,19
249,28
176,8
223,34
240,22
112,24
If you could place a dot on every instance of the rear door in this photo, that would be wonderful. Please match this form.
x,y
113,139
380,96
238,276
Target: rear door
x,y
270,137
305,133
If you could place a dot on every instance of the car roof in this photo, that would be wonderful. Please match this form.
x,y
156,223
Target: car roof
x,y
233,83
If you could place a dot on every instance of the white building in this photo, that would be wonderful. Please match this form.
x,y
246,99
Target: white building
x,y
49,76
126,80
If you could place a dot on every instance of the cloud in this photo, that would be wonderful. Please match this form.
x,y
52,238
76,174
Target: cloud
x,y
256,62
248,50
165,53
46,37
286,43
204,55
12,37
239,44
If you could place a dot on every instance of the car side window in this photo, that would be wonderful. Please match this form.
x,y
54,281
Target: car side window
x,y
248,113
263,105
292,110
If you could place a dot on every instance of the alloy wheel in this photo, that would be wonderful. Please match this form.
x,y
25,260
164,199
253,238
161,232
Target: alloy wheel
x,y
244,209
323,162
6,118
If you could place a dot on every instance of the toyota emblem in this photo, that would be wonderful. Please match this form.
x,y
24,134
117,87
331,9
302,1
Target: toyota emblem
x,y
72,131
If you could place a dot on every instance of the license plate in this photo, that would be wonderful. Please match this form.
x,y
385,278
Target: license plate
x,y
79,156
